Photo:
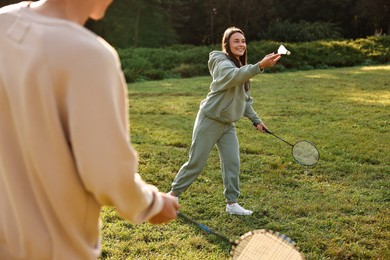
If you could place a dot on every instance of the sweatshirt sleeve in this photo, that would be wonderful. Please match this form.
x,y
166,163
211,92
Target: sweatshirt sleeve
x,y
226,75
97,119
250,113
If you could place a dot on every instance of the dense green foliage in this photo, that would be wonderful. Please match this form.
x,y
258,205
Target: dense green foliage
x,y
156,23
183,61
339,209
302,32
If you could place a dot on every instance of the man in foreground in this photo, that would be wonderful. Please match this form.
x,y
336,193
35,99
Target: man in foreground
x,y
64,145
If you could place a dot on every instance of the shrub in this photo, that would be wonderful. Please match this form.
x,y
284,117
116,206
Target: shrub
x,y
191,61
188,71
134,67
375,48
302,31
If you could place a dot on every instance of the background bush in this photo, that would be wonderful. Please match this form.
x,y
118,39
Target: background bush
x,y
184,61
302,31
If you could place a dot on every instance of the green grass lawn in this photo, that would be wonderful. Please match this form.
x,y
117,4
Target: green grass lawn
x,y
339,209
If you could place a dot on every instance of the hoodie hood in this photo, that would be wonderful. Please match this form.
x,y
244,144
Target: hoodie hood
x,y
214,58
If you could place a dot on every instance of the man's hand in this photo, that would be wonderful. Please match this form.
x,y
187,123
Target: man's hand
x,y
168,212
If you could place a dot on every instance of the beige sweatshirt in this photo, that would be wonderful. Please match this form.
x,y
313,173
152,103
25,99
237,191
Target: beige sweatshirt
x,y
64,145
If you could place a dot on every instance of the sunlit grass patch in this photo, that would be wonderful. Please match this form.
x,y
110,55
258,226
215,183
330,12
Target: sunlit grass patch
x,y
339,209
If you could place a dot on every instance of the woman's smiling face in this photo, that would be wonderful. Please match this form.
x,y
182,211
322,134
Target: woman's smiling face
x,y
237,44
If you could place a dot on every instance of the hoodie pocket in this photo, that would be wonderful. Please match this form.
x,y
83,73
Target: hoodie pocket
x,y
233,111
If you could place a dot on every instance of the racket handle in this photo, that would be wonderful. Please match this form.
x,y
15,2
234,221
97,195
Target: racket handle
x,y
205,228
269,132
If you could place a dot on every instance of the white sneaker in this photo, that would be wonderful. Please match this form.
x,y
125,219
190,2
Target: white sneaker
x,y
236,209
176,198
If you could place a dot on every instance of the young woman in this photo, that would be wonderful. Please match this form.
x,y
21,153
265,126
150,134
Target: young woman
x,y
227,101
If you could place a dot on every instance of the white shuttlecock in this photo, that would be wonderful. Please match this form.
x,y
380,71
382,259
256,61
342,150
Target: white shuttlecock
x,y
283,50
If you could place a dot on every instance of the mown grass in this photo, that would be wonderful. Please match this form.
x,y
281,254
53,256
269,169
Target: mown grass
x,y
339,209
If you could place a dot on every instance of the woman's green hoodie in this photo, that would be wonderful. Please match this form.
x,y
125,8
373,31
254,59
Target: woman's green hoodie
x,y
227,100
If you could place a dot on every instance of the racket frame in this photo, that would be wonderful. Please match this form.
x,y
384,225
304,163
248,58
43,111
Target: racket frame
x,y
292,146
282,238
300,161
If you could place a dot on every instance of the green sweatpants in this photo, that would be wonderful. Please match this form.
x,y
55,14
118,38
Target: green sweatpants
x,y
206,134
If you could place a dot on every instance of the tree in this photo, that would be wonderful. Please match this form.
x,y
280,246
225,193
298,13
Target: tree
x,y
372,17
136,23
7,2
154,23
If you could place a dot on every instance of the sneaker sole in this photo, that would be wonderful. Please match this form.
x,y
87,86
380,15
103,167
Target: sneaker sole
x,y
242,214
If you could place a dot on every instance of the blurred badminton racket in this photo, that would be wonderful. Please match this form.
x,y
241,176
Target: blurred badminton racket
x,y
257,244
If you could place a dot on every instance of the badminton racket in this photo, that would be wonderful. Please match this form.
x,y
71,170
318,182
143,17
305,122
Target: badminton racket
x,y
304,152
257,244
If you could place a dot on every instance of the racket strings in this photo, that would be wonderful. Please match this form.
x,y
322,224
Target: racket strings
x,y
263,244
283,252
305,153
